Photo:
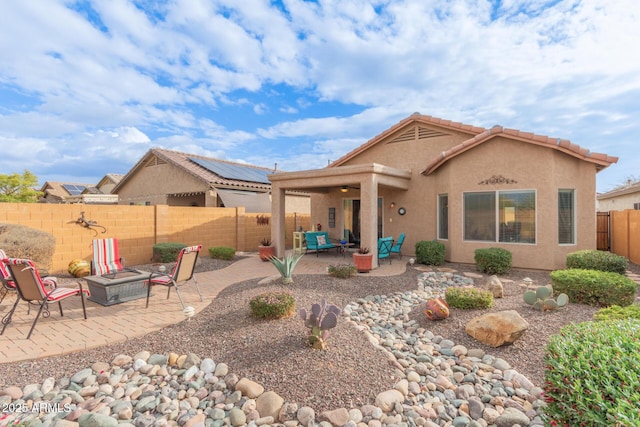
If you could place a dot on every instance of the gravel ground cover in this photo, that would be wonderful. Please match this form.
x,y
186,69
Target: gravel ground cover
x,y
274,353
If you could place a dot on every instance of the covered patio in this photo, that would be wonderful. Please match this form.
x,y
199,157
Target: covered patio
x,y
364,181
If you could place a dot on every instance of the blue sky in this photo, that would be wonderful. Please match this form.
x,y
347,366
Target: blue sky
x,y
87,87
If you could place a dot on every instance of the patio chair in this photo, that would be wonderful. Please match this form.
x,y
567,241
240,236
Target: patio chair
x,y
106,257
384,248
182,273
7,282
397,247
31,288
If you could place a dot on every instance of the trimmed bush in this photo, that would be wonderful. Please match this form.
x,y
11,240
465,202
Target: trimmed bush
x,y
430,252
595,288
597,260
615,312
468,298
167,252
19,241
272,305
493,260
593,374
222,252
342,271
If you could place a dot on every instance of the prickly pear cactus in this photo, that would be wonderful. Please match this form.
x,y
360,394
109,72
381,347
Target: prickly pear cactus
x,y
542,299
319,321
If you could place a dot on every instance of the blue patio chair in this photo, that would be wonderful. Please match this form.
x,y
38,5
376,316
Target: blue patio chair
x,y
397,247
384,248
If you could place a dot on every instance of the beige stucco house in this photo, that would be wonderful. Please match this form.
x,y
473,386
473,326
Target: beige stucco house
x,y
620,199
465,186
167,177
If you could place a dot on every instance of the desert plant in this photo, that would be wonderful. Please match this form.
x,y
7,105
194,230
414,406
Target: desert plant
x,y
222,252
595,288
615,312
363,250
265,241
319,321
342,271
493,260
579,395
167,252
590,259
430,252
542,299
468,298
19,241
286,265
272,305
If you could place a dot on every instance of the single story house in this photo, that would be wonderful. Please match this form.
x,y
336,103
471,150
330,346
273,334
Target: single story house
x,y
621,198
167,177
465,186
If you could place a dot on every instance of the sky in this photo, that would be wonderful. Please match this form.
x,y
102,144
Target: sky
x,y
88,87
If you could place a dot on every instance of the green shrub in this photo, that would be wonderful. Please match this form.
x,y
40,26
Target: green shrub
x,y
19,241
593,374
167,252
342,271
222,252
468,297
595,288
615,312
493,260
272,305
597,260
430,252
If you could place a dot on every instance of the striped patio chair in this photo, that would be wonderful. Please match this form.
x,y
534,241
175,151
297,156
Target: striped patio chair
x,y
31,288
7,282
106,257
182,273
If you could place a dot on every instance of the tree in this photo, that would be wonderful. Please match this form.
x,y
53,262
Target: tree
x,y
19,187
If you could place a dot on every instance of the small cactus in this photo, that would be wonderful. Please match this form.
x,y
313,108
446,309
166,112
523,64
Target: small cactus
x,y
542,299
319,320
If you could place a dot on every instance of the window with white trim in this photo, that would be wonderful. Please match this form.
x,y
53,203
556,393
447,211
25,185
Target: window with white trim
x,y
500,216
566,217
443,216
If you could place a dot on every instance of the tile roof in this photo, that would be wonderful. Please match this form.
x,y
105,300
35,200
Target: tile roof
x,y
629,188
181,160
414,118
55,190
563,145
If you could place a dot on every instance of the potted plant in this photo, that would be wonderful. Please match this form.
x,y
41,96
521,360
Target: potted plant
x,y
265,250
363,260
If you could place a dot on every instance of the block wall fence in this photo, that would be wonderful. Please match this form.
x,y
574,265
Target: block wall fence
x,y
138,228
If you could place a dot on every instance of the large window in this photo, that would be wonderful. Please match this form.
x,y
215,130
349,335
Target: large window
x,y
566,217
443,216
502,216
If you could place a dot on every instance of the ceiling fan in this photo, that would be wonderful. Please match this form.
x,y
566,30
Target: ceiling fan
x,y
346,188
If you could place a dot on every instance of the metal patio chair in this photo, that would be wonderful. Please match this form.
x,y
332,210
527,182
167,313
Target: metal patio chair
x,y
7,282
106,257
181,274
397,247
384,248
31,288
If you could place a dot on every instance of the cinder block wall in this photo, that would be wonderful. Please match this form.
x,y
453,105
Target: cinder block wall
x,y
138,228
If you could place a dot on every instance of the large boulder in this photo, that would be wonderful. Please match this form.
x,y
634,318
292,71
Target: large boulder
x,y
497,329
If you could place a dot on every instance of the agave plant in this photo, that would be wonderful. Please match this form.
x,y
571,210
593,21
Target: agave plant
x,y
286,265
319,320
542,299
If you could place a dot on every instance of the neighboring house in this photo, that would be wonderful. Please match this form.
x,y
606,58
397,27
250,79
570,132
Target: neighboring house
x,y
73,192
619,199
174,178
465,186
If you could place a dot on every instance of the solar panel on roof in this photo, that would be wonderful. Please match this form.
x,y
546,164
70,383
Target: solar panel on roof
x,y
73,189
229,171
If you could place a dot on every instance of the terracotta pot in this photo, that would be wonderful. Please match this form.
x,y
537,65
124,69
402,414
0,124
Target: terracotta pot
x,y
266,252
363,262
436,309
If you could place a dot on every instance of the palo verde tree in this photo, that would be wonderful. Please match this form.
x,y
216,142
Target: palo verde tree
x,y
19,187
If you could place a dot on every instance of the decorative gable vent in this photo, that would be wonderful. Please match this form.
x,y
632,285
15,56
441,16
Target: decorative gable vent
x,y
154,161
417,133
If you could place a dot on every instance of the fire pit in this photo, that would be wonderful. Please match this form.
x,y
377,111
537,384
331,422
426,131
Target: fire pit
x,y
121,286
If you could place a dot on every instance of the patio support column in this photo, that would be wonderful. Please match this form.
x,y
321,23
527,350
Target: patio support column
x,y
369,215
278,219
